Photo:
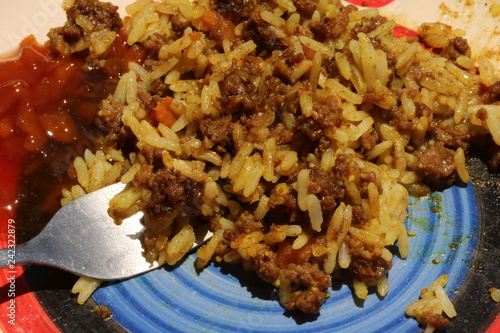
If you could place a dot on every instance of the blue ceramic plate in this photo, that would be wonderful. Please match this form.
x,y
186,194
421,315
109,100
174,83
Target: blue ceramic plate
x,y
221,298
458,227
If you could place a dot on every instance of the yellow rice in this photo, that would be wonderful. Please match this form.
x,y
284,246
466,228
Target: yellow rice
x,y
370,78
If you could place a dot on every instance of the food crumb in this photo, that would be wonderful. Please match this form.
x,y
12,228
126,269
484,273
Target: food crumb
x,y
411,234
103,311
436,261
495,294
495,10
436,209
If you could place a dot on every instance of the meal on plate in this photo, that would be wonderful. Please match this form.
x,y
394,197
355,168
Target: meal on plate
x,y
294,129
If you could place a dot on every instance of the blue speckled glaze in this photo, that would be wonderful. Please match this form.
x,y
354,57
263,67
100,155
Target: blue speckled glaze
x,y
214,300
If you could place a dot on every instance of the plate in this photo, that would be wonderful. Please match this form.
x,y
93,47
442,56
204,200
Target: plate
x,y
456,233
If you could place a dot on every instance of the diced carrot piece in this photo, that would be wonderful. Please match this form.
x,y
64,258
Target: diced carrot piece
x,y
212,20
194,36
308,52
208,20
163,112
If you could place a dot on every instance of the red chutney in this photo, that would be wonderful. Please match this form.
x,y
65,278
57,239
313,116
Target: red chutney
x,y
38,90
48,106
47,109
34,88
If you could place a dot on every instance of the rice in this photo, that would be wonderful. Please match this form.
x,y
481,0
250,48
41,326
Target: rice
x,y
296,144
433,304
85,287
495,294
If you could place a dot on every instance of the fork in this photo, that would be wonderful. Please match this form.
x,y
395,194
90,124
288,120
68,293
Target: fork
x,y
83,239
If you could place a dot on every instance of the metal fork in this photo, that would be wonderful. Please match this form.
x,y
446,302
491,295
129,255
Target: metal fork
x,y
83,239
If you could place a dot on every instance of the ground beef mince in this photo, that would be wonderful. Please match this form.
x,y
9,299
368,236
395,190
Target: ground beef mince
x,y
285,63
238,83
453,136
305,7
397,118
368,270
359,217
307,131
217,130
307,281
328,113
179,23
492,94
328,189
369,140
152,45
458,47
331,28
264,263
436,166
230,9
246,222
170,189
367,25
109,121
99,15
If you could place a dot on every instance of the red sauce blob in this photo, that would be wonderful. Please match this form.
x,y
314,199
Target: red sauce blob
x,y
48,106
34,88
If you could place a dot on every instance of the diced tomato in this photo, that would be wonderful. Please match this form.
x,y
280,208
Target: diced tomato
x,y
134,54
36,87
119,46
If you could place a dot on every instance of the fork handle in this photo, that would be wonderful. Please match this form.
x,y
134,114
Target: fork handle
x,y
12,256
